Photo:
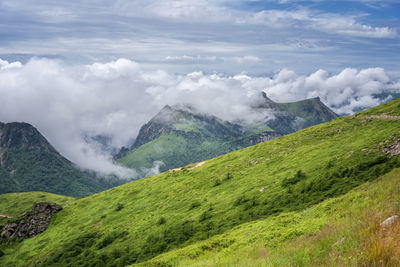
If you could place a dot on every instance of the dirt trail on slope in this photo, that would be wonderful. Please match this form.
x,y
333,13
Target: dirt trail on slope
x,y
191,168
6,216
382,117
196,165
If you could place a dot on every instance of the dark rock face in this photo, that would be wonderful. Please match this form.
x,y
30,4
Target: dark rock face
x,y
31,224
22,135
266,136
149,132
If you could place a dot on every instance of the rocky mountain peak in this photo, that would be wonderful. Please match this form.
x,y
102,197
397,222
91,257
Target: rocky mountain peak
x,y
267,99
21,135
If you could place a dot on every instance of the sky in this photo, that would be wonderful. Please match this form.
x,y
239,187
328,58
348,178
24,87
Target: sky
x,y
83,68
257,37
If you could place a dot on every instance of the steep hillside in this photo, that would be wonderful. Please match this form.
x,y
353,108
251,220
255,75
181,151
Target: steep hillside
x,y
180,135
273,183
343,231
29,163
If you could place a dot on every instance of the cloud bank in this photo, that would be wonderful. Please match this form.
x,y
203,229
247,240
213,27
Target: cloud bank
x,y
67,103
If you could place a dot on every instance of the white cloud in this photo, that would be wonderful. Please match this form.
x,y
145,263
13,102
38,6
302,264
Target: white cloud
x,y
345,93
324,22
193,11
213,59
191,59
68,102
5,65
244,60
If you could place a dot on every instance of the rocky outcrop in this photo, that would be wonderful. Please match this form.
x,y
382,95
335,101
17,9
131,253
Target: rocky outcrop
x,y
32,223
389,221
265,136
393,149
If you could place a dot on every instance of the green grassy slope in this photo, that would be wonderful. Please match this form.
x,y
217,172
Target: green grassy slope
x,y
175,150
138,221
13,204
341,231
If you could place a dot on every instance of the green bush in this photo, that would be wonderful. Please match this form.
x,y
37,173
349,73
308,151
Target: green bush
x,y
161,221
108,239
217,182
204,216
294,180
240,200
194,205
119,207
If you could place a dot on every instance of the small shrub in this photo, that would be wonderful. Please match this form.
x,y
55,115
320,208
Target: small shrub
x,y
251,203
294,180
1,253
119,207
194,205
204,216
217,183
107,240
240,200
128,258
161,221
115,253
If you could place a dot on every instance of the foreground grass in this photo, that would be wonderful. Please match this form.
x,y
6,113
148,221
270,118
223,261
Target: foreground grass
x,y
343,231
272,185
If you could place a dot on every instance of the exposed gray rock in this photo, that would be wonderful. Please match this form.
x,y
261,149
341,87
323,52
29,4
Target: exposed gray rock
x,y
393,149
389,221
32,223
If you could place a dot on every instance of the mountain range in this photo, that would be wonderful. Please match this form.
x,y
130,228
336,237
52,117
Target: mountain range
x,y
179,134
176,136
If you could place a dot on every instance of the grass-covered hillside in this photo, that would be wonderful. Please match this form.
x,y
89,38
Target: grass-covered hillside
x,y
179,135
340,231
244,205
29,163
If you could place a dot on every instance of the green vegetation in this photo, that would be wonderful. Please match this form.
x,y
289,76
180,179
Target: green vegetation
x,y
30,163
341,231
174,151
321,165
38,170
